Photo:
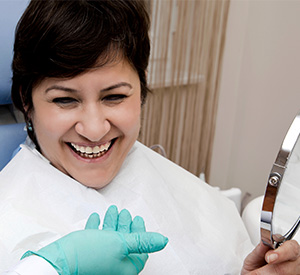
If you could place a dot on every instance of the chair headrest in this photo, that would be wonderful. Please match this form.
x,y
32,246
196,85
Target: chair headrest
x,y
10,12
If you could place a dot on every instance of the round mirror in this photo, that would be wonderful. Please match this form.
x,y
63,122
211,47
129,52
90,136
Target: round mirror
x,y
281,206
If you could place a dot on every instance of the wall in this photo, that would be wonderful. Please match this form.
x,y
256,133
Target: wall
x,y
259,91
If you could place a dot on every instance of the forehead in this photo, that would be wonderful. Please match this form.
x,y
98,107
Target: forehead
x,y
98,77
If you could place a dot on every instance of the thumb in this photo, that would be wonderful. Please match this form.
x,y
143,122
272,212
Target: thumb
x,y
145,242
93,221
256,258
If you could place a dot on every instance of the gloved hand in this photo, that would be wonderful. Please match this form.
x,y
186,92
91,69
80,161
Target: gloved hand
x,y
121,247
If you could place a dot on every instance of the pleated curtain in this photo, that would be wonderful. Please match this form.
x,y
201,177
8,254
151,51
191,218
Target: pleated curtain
x,y
187,40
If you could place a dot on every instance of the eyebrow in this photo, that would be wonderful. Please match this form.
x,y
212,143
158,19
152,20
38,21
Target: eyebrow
x,y
118,85
70,90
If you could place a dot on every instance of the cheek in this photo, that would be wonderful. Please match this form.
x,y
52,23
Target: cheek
x,y
49,124
130,120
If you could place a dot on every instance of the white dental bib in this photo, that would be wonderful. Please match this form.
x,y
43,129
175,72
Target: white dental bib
x,y
39,204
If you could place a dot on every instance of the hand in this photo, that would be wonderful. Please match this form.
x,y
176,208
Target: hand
x,y
283,260
121,247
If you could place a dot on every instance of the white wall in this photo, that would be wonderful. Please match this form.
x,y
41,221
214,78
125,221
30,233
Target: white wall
x,y
259,91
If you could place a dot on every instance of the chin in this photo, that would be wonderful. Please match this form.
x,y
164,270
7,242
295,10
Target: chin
x,y
95,184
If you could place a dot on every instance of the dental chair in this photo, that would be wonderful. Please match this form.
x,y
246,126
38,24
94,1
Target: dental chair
x,y
12,129
251,218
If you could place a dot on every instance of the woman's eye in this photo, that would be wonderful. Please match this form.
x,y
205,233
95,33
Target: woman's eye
x,y
64,100
114,98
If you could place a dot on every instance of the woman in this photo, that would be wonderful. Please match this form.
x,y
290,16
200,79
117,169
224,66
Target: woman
x,y
79,77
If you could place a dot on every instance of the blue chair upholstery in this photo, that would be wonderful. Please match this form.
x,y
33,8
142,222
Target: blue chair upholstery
x,y
11,135
10,12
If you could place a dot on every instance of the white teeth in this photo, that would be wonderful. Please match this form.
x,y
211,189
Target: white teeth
x,y
96,149
104,147
91,151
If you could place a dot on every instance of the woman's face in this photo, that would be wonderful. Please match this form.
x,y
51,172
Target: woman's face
x,y
86,125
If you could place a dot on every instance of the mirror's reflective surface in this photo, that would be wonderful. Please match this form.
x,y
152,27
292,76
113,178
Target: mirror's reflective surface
x,y
287,206
281,206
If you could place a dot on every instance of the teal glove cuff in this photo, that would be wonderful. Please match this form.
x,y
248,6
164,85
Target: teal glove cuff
x,y
54,255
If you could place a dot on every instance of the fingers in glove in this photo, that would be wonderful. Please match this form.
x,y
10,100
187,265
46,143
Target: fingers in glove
x,y
145,242
110,221
124,222
138,260
93,221
138,225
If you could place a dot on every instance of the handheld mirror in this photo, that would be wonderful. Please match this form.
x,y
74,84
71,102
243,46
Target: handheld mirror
x,y
280,216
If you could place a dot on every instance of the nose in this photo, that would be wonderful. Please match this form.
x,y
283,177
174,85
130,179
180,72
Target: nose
x,y
93,124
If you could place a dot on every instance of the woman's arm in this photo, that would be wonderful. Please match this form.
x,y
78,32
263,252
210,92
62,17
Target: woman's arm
x,y
30,264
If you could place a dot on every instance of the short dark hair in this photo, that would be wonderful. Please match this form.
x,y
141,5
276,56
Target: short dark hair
x,y
56,38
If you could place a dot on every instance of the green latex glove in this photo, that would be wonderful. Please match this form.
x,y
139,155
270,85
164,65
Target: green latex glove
x,y
121,247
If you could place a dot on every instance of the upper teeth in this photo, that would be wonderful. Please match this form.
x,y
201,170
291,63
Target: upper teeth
x,y
92,150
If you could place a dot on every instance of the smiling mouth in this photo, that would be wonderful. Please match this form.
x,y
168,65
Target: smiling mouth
x,y
90,152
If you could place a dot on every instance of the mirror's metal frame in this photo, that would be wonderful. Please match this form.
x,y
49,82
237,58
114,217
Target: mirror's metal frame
x,y
273,185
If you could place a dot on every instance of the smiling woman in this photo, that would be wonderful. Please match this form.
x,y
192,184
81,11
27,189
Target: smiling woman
x,y
66,43
95,120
